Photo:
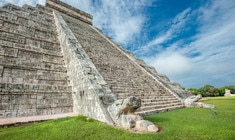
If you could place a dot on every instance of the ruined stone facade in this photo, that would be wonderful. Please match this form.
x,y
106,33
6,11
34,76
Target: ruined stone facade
x,y
53,61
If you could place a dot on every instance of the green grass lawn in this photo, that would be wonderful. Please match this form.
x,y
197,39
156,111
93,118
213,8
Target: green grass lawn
x,y
186,123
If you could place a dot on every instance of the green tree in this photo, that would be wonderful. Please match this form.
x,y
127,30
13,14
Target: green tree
x,y
206,91
209,90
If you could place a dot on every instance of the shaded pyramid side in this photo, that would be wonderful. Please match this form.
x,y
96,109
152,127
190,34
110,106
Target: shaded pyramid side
x,y
33,76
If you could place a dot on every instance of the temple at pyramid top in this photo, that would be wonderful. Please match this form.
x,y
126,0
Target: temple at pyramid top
x,y
69,10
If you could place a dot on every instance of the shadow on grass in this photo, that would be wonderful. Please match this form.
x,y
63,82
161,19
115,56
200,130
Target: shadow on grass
x,y
156,119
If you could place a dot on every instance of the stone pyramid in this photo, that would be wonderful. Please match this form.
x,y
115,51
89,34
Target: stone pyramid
x,y
53,61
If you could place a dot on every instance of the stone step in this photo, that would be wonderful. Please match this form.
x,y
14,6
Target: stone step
x,y
146,96
159,98
159,102
158,110
19,76
153,107
147,91
33,88
21,36
11,7
30,46
22,120
18,12
28,31
29,65
140,88
28,8
149,98
22,54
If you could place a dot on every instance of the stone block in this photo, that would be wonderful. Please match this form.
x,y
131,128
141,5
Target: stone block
x,y
10,27
31,112
52,59
8,16
33,96
17,80
21,113
32,57
22,21
1,71
16,107
1,23
50,46
12,37
6,43
6,51
13,113
8,114
34,106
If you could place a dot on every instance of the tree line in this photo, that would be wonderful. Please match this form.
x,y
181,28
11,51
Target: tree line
x,y
211,91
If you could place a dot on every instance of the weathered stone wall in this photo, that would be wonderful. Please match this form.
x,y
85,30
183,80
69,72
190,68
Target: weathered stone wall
x,y
33,78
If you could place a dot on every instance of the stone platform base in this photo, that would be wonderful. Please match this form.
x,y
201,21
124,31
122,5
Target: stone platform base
x,y
22,120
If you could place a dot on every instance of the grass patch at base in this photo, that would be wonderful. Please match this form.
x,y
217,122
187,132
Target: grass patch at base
x,y
186,123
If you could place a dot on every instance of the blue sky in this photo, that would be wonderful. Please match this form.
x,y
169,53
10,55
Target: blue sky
x,y
190,41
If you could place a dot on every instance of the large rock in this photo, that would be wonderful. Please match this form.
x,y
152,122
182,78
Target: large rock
x,y
144,125
122,113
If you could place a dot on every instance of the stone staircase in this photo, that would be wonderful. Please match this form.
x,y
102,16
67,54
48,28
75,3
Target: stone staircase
x,y
124,76
173,86
33,77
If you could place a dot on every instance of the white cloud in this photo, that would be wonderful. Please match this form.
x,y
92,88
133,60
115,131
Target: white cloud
x,y
175,27
215,41
214,45
171,64
42,2
123,20
22,2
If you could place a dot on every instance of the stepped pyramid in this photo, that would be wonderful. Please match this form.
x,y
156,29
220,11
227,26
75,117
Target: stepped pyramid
x,y
53,61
